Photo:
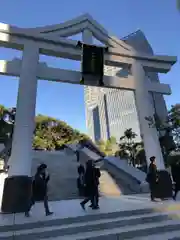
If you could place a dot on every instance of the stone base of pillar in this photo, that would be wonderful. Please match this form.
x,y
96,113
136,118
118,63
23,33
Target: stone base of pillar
x,y
164,188
16,194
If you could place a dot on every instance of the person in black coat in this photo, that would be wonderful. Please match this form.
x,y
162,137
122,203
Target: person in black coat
x,y
80,179
39,189
81,169
152,177
91,185
175,170
77,155
95,202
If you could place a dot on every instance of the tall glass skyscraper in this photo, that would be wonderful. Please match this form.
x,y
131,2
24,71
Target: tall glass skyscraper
x,y
109,112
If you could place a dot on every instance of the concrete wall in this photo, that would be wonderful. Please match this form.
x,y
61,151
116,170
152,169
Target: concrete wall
x,y
132,178
135,173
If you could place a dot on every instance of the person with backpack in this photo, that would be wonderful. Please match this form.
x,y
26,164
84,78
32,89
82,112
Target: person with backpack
x,y
40,189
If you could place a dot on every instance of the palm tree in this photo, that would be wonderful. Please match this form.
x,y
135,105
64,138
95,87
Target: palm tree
x,y
127,144
123,152
129,135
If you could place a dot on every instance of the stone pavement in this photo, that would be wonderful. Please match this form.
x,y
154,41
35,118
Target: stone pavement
x,y
125,217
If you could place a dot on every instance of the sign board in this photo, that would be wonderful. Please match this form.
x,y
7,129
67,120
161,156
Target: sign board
x,y
92,64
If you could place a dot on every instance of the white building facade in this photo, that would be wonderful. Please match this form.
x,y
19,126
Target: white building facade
x,y
109,112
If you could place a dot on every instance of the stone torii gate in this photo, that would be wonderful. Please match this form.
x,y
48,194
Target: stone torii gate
x,y
53,41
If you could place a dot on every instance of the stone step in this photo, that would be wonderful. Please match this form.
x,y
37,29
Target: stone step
x,y
114,225
168,230
175,235
108,186
75,220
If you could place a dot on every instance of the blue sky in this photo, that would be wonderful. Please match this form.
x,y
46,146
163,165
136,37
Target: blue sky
x,y
158,19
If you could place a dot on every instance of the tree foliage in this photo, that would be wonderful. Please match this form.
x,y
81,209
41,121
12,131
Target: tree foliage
x,y
129,147
7,118
174,122
169,130
108,147
49,133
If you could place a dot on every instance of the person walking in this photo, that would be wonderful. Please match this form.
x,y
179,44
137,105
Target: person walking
x,y
95,201
152,177
90,185
175,170
40,189
77,155
80,179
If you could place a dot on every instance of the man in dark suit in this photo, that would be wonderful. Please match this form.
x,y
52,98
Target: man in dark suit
x,y
95,202
91,185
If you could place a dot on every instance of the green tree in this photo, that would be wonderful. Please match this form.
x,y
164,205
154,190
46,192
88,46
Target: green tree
x,y
128,136
101,145
2,111
174,122
49,133
7,118
111,146
122,152
108,147
112,140
169,130
39,143
128,146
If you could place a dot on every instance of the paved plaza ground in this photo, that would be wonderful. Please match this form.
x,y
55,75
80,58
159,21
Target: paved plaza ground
x,y
70,209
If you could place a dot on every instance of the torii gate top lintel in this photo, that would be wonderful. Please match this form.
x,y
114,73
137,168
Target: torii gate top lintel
x,y
69,28
119,52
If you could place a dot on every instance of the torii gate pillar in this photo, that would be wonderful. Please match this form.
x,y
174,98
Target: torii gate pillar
x,y
144,109
17,187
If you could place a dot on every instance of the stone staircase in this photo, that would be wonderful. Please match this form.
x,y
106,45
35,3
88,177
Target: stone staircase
x,y
63,173
126,184
146,223
108,186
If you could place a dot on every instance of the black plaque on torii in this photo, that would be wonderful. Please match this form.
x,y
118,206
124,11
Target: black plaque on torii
x,y
92,63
